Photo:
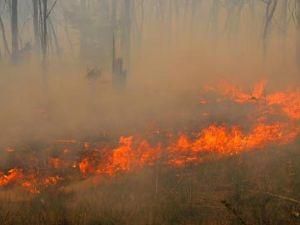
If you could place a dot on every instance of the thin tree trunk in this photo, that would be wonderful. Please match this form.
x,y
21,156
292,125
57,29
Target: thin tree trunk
x,y
4,37
270,10
284,29
55,38
45,30
284,17
35,4
214,14
14,30
298,30
114,14
194,10
127,32
83,15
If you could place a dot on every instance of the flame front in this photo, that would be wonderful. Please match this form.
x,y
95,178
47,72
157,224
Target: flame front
x,y
136,152
288,102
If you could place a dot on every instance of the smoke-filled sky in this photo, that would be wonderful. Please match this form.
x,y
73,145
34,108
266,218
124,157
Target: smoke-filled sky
x,y
170,50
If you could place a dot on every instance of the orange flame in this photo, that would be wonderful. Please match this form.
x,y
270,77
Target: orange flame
x,y
12,176
288,102
134,152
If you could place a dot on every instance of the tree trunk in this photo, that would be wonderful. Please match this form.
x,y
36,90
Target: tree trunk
x,y
214,17
45,30
195,5
284,29
35,4
4,37
14,30
83,15
270,10
127,32
55,38
114,14
284,17
298,30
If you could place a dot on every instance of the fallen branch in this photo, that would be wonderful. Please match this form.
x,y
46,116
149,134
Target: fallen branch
x,y
283,197
234,212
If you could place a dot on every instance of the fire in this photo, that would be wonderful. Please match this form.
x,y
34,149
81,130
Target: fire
x,y
34,185
29,181
9,150
288,102
123,156
133,153
86,167
224,140
12,176
52,180
238,95
56,163
30,187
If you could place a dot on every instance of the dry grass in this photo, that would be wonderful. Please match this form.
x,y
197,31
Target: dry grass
x,y
235,190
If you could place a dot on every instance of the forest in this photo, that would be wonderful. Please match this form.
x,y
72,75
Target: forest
x,y
149,112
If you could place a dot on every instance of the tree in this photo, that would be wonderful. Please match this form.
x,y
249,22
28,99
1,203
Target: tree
x,y
35,5
298,29
269,13
127,31
14,30
44,29
2,27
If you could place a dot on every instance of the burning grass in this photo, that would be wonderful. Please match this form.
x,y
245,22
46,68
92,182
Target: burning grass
x,y
143,176
274,122
214,192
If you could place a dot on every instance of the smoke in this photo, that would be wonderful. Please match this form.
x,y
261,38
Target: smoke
x,y
171,60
